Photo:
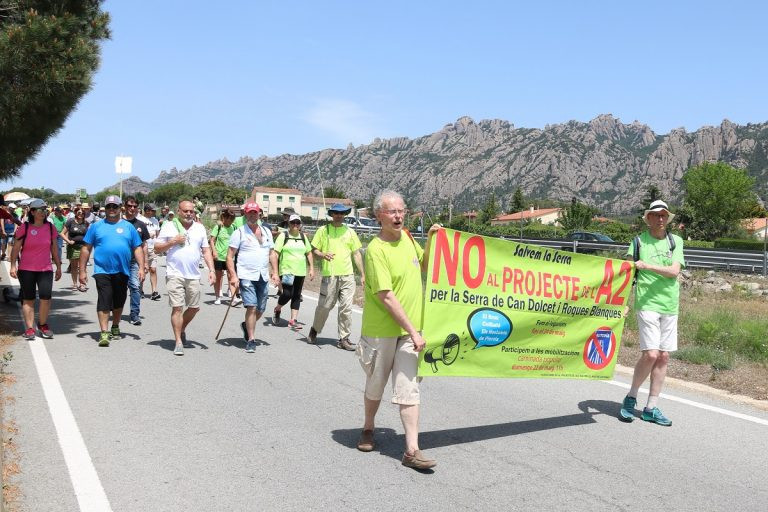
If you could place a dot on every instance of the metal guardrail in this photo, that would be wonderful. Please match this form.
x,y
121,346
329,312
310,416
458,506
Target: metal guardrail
x,y
730,260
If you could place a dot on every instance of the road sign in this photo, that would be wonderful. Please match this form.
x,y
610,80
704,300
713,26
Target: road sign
x,y
123,164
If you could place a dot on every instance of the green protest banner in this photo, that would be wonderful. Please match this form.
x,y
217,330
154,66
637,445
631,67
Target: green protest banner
x,y
495,308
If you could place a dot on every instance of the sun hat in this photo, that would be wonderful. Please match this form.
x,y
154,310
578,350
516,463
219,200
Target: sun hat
x,y
288,211
294,217
149,206
339,208
109,200
251,207
658,206
37,203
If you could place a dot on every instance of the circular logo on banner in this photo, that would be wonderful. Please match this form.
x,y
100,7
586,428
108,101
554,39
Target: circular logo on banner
x,y
600,348
119,230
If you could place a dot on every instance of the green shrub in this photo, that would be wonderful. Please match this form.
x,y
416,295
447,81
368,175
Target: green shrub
x,y
730,243
699,244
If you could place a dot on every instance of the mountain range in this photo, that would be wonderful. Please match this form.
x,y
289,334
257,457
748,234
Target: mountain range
x,y
603,162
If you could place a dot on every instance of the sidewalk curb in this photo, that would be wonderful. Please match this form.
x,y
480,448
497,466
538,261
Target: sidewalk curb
x,y
703,388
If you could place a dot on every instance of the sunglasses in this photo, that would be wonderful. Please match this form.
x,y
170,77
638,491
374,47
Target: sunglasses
x,y
295,222
111,206
131,206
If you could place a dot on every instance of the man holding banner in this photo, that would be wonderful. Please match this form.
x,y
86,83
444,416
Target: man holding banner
x,y
659,259
392,322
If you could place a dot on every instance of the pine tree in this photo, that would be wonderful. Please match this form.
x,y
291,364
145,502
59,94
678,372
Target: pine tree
x,y
49,52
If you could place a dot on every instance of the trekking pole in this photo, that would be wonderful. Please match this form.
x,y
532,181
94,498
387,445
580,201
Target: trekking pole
x,y
231,301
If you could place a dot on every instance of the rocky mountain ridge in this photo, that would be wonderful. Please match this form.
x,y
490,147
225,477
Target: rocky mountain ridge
x,y
603,162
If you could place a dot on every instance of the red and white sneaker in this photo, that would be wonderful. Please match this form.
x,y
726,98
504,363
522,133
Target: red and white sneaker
x,y
45,331
30,334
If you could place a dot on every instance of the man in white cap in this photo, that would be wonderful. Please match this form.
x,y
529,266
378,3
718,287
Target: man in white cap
x,y
658,257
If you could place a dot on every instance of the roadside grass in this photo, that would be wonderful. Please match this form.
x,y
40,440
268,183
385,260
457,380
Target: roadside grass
x,y
718,330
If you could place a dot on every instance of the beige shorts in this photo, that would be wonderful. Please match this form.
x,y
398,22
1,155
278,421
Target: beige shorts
x,y
151,259
382,357
657,331
183,292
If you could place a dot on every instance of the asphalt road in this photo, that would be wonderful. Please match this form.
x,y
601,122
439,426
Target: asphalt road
x,y
222,430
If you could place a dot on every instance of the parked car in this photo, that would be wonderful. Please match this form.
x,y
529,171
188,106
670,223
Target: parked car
x,y
362,223
584,236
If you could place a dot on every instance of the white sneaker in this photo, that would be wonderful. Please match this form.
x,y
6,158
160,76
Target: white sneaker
x,y
236,301
217,301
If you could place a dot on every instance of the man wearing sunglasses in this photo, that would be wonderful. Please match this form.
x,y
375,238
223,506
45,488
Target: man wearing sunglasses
x,y
134,284
113,241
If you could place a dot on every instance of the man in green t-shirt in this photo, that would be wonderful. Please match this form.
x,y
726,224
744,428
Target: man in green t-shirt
x,y
337,245
220,243
659,259
392,321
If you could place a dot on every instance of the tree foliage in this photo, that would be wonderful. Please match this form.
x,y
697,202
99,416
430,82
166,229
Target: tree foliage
x,y
334,192
171,193
489,211
576,216
717,198
49,52
518,201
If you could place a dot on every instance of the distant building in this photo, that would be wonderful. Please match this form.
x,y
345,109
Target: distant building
x,y
275,200
756,227
549,216
315,209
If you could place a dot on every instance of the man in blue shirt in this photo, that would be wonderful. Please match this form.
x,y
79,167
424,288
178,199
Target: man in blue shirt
x,y
116,240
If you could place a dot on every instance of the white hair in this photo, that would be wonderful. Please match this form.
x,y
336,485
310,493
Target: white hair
x,y
385,194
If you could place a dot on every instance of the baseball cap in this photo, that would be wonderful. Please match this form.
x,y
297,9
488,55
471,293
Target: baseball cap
x,y
109,200
37,203
11,205
294,217
251,207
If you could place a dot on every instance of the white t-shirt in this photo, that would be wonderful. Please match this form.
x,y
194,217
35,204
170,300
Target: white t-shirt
x,y
252,257
153,228
183,261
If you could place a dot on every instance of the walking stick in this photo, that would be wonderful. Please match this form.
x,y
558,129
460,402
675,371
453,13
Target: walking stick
x,y
231,301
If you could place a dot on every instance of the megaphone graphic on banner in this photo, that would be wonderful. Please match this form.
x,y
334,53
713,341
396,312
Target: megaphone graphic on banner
x,y
445,353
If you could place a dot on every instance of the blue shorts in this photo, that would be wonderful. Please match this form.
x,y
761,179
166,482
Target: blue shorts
x,y
254,294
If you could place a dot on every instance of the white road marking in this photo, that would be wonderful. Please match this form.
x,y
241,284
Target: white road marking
x,y
692,403
85,481
88,490
673,398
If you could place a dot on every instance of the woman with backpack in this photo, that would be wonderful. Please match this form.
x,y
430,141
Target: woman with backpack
x,y
219,242
31,257
294,253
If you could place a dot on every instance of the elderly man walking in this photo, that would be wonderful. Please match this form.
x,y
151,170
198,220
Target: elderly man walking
x,y
392,320
336,244
114,241
252,244
658,257
185,241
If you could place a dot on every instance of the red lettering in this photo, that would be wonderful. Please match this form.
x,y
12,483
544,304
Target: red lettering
x,y
547,290
556,286
606,286
518,282
626,269
443,251
575,288
476,280
506,278
530,283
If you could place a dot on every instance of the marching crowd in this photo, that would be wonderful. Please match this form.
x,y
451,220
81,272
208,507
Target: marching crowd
x,y
126,245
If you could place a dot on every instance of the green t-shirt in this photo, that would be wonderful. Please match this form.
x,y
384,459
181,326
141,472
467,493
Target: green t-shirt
x,y
292,254
221,244
655,292
58,222
342,241
392,266
239,221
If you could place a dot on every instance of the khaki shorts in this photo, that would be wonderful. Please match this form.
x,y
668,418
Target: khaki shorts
x,y
657,331
183,292
382,357
151,259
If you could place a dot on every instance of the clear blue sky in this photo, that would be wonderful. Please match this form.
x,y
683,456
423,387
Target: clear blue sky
x,y
185,82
